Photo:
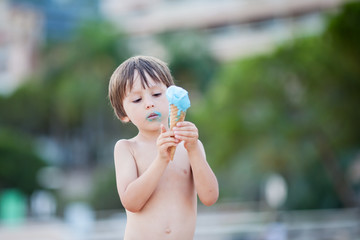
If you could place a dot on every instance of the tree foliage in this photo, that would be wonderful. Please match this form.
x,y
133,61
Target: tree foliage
x,y
66,101
190,60
292,112
19,162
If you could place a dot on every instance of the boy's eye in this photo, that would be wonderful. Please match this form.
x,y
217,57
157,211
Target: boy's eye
x,y
157,94
137,100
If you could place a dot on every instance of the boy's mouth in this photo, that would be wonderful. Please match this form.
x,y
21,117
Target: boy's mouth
x,y
153,116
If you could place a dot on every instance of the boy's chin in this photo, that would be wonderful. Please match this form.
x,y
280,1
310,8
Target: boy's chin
x,y
155,126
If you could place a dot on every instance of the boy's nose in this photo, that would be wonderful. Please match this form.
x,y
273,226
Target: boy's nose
x,y
150,105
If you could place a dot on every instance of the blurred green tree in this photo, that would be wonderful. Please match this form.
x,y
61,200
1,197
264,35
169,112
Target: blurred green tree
x,y
66,100
291,112
104,195
190,59
19,163
27,109
78,73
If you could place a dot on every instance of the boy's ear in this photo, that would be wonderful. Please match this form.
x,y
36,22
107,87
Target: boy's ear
x,y
125,119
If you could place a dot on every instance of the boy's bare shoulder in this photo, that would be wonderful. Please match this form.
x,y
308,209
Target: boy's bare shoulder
x,y
124,145
125,142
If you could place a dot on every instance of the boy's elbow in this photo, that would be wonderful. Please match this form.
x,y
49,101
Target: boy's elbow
x,y
211,199
209,202
133,209
131,206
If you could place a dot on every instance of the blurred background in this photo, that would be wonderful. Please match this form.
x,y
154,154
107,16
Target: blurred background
x,y
274,86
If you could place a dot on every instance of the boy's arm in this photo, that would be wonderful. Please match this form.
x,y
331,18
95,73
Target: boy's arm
x,y
205,180
135,191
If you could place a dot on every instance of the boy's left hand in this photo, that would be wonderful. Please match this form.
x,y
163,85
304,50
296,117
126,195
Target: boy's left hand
x,y
187,132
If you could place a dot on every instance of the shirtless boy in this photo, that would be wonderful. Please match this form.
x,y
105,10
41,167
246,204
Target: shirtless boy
x,y
159,195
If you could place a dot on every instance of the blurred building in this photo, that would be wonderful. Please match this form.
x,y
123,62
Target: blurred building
x,y
235,28
20,38
25,25
63,17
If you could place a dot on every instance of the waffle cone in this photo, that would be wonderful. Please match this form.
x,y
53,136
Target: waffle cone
x,y
175,118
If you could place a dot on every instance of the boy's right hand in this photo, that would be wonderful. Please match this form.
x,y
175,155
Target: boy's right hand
x,y
164,142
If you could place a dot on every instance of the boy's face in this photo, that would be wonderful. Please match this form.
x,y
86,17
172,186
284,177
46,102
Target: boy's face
x,y
146,108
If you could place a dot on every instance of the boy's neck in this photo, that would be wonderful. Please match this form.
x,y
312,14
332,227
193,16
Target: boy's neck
x,y
148,136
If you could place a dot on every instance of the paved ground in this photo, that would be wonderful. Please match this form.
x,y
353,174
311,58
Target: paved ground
x,y
217,224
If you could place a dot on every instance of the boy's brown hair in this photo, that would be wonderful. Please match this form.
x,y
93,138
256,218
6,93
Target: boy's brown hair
x,y
122,79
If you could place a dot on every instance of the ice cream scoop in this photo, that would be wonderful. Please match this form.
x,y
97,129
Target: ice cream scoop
x,y
179,102
178,97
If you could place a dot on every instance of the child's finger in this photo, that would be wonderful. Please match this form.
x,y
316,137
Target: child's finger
x,y
163,129
170,144
168,140
185,128
187,133
168,134
185,138
167,145
184,123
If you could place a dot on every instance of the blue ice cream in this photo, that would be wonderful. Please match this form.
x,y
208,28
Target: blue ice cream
x,y
179,97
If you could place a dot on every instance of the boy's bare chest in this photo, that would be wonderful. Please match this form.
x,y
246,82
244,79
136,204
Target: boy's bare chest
x,y
178,168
